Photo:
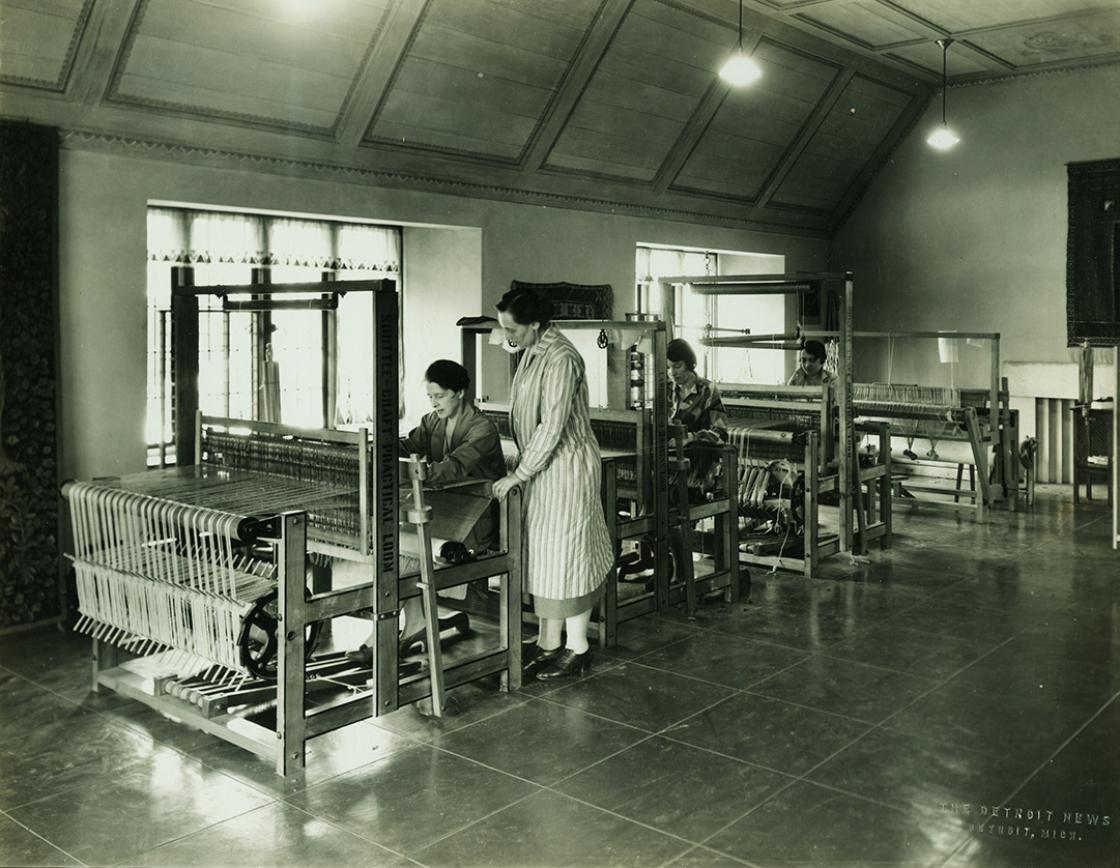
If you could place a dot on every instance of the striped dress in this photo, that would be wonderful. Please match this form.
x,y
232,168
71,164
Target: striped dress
x,y
569,550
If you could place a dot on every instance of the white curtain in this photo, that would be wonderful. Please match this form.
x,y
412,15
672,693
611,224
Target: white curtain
x,y
367,253
369,248
355,251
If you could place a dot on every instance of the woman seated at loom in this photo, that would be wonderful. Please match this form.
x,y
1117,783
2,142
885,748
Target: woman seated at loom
x,y
810,370
695,404
458,442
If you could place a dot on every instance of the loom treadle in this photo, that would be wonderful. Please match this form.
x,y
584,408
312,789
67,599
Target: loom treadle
x,y
243,733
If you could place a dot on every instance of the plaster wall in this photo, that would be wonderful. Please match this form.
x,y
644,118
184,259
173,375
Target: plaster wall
x,y
975,238
442,275
102,269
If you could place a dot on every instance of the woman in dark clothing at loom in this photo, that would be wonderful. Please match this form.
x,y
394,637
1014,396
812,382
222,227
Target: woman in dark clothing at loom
x,y
811,370
459,442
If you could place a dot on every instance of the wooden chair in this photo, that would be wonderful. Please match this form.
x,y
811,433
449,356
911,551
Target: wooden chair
x,y
1092,438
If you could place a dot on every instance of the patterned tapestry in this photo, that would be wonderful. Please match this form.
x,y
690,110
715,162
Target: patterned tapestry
x,y
571,301
29,498
574,300
1093,254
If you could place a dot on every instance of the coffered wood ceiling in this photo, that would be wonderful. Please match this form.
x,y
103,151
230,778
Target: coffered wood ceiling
x,y
607,104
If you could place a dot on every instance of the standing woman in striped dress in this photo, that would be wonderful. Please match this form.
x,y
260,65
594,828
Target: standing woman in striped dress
x,y
569,551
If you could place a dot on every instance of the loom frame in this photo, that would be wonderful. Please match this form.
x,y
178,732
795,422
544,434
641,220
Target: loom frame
x,y
874,515
657,489
650,514
1000,431
379,546
651,429
849,479
286,744
499,563
383,495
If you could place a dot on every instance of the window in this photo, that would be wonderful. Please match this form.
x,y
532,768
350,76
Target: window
x,y
303,368
693,311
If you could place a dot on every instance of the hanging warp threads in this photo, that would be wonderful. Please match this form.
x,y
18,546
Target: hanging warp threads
x,y
154,574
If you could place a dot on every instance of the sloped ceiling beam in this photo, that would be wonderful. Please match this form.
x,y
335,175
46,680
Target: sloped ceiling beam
x,y
794,14
105,36
960,46
698,123
789,16
779,24
789,159
607,21
373,80
929,30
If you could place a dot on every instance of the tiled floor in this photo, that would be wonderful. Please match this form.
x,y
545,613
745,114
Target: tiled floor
x,y
876,717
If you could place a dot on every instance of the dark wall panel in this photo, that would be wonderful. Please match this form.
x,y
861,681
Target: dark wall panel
x,y
29,499
1093,258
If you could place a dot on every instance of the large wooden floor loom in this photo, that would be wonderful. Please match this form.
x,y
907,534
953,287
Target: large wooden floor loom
x,y
978,418
194,580
796,445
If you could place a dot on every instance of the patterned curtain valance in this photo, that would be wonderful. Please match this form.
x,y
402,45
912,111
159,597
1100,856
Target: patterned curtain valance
x,y
574,300
185,236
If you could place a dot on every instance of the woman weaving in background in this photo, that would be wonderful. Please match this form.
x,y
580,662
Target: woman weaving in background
x,y
695,405
694,401
458,442
810,371
569,550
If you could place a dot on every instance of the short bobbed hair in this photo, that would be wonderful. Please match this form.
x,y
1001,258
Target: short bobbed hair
x,y
526,306
448,375
680,350
816,350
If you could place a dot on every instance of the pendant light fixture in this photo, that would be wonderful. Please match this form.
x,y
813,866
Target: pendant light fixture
x,y
943,138
740,69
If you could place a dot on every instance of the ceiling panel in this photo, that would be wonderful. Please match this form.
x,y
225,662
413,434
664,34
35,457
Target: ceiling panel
x,y
480,74
789,4
39,38
250,60
865,22
1077,37
842,145
754,127
599,102
997,38
647,86
960,60
962,15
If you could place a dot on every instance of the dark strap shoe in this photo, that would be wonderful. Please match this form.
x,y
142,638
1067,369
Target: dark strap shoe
x,y
533,661
566,665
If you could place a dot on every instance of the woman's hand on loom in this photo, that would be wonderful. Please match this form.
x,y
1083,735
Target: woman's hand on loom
x,y
504,485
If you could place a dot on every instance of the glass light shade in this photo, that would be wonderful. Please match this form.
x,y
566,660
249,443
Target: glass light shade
x,y
943,138
740,70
